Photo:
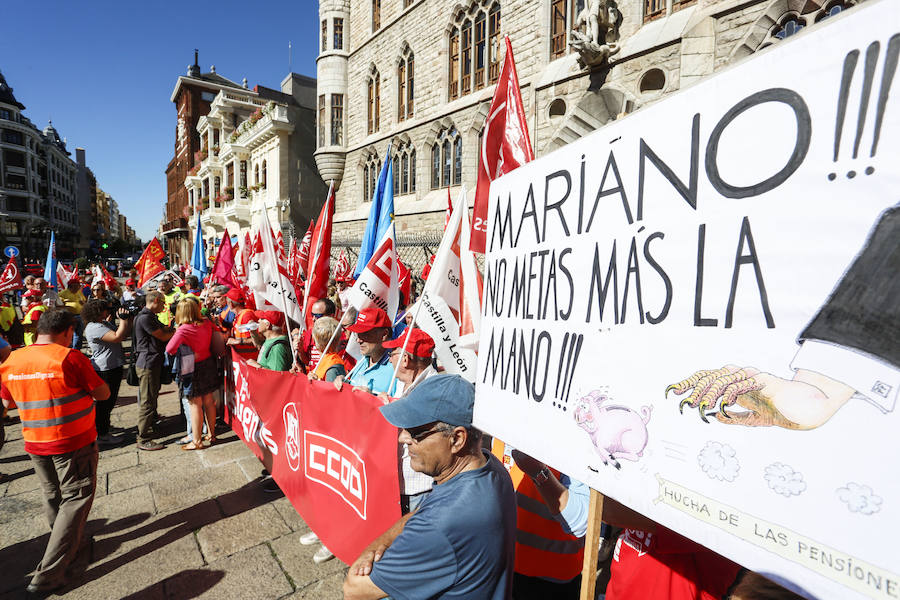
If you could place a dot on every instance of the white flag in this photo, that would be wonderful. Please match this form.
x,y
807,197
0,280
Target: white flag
x,y
444,297
268,278
379,283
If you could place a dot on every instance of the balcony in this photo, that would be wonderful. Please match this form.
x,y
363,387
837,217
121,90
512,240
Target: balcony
x,y
175,226
263,125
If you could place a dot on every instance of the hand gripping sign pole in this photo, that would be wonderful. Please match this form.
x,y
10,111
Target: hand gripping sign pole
x,y
405,342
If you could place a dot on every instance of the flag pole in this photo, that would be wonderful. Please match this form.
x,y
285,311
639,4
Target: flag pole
x,y
314,262
280,285
406,339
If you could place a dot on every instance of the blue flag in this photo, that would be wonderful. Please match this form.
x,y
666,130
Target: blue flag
x,y
380,217
198,259
50,265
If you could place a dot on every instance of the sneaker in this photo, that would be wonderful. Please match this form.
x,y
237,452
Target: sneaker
x,y
150,446
271,487
107,440
323,554
308,539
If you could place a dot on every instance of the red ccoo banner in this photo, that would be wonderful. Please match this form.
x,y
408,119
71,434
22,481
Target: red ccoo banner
x,y
332,453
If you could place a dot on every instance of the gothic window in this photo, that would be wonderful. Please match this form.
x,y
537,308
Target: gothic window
x,y
243,174
395,173
789,27
494,43
832,8
265,174
371,170
374,101
405,89
337,119
404,169
558,29
446,159
376,15
256,174
321,120
338,34
474,44
454,64
217,186
324,36
654,9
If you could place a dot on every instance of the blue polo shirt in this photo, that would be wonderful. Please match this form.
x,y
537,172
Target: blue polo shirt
x,y
459,544
375,376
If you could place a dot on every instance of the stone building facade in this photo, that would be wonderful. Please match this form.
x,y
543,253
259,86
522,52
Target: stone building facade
x,y
37,183
419,74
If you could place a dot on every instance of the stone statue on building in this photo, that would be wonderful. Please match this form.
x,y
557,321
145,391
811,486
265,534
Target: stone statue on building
x,y
595,32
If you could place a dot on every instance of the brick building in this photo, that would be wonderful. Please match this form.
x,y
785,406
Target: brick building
x,y
419,74
193,95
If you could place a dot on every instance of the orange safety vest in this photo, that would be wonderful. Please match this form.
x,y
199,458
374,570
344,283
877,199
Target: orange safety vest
x,y
50,409
543,547
326,362
246,350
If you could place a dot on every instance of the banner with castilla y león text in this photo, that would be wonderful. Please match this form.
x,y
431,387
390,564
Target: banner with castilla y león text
x,y
331,452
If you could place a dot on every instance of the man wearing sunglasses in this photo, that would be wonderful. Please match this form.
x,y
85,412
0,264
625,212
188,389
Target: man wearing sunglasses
x,y
460,542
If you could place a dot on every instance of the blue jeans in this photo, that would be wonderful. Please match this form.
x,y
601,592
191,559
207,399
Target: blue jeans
x,y
78,334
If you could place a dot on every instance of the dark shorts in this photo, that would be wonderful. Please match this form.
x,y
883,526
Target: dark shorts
x,y
206,378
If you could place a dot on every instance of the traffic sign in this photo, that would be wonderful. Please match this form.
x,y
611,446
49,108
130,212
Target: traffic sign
x,y
11,251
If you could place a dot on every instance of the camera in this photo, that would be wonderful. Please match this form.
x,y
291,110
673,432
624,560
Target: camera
x,y
131,308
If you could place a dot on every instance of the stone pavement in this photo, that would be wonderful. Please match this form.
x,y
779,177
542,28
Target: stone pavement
x,y
166,524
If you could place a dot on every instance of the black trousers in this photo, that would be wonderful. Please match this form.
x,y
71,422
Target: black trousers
x,y
113,379
535,588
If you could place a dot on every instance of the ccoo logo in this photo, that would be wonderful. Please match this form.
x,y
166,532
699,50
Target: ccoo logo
x,y
291,421
338,467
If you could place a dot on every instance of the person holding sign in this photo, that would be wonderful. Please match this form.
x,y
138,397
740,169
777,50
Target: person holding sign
x,y
460,542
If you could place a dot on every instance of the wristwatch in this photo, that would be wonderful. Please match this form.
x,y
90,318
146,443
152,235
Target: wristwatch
x,y
542,476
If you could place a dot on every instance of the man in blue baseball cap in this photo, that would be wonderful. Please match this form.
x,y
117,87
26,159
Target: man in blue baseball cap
x,y
460,542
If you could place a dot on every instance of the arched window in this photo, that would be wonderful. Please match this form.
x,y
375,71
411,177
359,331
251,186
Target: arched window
x,y
474,44
243,175
255,174
405,169
371,170
217,185
265,174
405,90
446,159
374,101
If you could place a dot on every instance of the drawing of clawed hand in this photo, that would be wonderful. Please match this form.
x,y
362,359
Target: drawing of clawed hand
x,y
804,402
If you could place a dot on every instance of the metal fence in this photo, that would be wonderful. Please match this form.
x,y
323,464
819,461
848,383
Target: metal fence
x,y
414,250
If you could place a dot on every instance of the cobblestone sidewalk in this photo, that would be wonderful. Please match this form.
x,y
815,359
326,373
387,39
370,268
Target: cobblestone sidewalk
x,y
166,524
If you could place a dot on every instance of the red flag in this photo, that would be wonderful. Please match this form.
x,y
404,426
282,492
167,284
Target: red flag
x,y
320,258
505,144
279,246
342,269
292,260
11,278
303,250
449,212
405,281
221,271
152,253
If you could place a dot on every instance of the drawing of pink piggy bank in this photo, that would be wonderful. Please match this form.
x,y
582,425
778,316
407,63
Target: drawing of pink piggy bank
x,y
616,431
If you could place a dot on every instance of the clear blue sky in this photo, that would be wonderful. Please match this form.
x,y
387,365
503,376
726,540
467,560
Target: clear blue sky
x,y
104,72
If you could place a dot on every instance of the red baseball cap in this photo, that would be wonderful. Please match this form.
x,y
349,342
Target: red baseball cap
x,y
130,281
370,318
272,316
235,295
420,343
32,294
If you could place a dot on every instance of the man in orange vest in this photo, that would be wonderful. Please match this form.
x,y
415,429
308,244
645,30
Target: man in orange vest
x,y
54,388
551,521
245,322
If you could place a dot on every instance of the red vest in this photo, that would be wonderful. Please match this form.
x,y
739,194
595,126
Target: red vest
x,y
543,548
50,409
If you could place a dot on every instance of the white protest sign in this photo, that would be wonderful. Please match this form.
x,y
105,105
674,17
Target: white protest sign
x,y
696,310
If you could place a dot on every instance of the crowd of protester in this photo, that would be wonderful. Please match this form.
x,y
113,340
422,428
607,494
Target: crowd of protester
x,y
471,527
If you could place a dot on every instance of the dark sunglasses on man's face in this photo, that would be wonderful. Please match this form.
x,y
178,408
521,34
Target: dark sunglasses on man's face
x,y
317,315
420,433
